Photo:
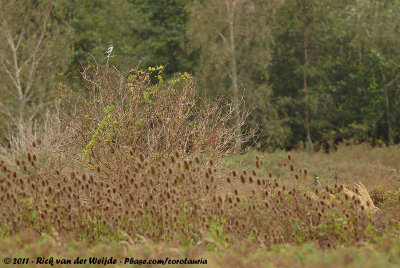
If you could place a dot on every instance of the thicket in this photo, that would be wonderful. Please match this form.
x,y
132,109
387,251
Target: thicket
x,y
121,115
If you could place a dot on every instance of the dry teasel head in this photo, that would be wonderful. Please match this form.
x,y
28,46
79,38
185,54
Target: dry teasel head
x,y
186,164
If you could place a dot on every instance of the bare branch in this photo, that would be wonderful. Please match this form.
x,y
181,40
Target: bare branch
x,y
11,76
393,80
35,52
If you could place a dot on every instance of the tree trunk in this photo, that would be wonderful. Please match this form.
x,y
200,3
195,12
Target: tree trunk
x,y
234,76
387,112
305,52
387,106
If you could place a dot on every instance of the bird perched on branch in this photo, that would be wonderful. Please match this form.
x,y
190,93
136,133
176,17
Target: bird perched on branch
x,y
109,50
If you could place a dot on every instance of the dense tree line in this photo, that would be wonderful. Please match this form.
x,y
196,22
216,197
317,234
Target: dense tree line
x,y
311,71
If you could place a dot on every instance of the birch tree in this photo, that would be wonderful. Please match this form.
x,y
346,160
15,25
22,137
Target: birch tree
x,y
33,48
234,39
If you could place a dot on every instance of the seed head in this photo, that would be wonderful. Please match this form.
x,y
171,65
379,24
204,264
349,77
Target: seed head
x,y
186,164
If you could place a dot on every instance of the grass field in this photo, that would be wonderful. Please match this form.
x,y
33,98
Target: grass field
x,y
384,253
249,210
371,166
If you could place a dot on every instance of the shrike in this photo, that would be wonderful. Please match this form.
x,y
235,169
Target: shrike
x,y
109,50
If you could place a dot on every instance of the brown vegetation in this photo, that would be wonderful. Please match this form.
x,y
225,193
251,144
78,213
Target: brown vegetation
x,y
178,200
122,115
103,175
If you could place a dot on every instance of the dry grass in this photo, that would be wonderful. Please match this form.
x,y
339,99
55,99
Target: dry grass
x,y
384,254
182,201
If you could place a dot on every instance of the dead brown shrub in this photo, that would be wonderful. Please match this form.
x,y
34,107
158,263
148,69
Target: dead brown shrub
x,y
122,115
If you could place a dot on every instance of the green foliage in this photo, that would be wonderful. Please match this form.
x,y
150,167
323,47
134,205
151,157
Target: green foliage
x,y
346,77
352,74
160,34
216,235
106,131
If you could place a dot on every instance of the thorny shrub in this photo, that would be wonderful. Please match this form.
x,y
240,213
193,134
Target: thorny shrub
x,y
124,114
180,200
